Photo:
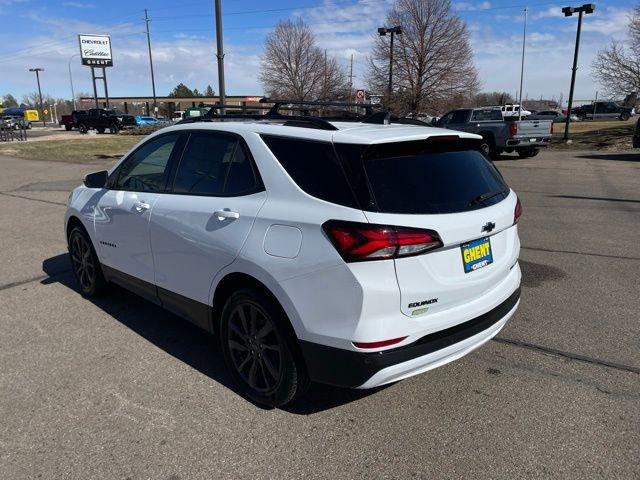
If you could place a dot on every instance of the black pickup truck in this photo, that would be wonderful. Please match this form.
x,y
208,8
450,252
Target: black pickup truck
x,y
100,119
603,111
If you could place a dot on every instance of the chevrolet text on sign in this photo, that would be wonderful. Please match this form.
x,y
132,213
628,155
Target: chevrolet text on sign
x,y
95,50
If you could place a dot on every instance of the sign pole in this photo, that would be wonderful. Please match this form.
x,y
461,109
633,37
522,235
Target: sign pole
x,y
95,90
106,90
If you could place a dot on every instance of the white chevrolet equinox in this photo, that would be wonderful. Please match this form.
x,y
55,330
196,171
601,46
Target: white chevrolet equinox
x,y
348,253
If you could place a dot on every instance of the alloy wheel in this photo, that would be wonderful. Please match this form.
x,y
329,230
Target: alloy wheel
x,y
83,264
255,347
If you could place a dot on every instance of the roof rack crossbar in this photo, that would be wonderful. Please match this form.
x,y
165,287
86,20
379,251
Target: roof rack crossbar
x,y
277,103
314,122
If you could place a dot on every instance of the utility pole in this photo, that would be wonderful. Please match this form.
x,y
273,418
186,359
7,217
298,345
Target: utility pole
x,y
382,31
351,80
524,42
38,70
220,55
569,11
153,80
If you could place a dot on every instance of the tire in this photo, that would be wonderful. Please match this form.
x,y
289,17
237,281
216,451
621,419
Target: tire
x,y
82,128
488,148
68,127
582,117
100,129
113,128
625,116
528,152
485,148
85,264
258,349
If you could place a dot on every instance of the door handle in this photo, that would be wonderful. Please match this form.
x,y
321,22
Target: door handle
x,y
223,214
141,206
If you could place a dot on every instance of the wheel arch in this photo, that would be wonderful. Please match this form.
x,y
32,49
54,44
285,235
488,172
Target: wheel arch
x,y
72,222
236,280
488,135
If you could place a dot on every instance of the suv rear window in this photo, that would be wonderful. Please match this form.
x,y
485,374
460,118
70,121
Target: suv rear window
x,y
437,175
314,167
434,182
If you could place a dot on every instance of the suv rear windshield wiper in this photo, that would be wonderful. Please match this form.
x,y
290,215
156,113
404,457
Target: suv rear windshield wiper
x,y
484,197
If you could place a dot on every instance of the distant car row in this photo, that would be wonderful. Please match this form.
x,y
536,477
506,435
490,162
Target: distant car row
x,y
101,120
14,122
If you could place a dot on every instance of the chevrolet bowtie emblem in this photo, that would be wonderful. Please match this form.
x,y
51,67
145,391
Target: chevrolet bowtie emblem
x,y
488,227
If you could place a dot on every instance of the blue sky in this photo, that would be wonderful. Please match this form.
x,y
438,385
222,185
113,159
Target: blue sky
x,y
43,33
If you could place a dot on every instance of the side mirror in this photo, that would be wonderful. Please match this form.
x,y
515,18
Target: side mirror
x,y
434,121
96,179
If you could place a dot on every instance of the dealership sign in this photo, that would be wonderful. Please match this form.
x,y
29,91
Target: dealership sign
x,y
95,50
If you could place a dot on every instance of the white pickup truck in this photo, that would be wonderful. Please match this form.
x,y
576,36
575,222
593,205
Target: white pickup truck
x,y
500,134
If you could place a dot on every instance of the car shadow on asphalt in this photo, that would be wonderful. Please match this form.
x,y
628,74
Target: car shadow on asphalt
x,y
185,341
620,157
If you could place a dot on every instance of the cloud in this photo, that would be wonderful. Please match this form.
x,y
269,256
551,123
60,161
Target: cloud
x,y
551,12
78,5
470,7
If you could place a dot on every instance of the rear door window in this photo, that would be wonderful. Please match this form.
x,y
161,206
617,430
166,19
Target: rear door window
x,y
215,164
459,116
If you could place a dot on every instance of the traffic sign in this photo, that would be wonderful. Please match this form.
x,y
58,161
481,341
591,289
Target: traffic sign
x,y
360,95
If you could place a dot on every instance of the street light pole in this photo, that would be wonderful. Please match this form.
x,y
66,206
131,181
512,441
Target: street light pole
x,y
153,81
220,55
524,43
382,31
73,95
569,11
38,70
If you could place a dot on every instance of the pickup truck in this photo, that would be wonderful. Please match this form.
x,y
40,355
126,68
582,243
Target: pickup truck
x,y
69,122
500,134
603,111
101,120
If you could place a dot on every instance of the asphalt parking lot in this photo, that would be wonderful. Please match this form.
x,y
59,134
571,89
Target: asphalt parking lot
x,y
119,389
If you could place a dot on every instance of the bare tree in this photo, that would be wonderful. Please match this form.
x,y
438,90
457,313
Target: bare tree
x,y
294,67
617,67
484,99
432,61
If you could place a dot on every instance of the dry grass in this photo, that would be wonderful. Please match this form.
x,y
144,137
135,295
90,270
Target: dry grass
x,y
589,126
89,148
616,138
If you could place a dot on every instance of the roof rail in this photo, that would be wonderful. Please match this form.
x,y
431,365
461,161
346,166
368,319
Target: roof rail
x,y
293,120
278,103
305,120
385,118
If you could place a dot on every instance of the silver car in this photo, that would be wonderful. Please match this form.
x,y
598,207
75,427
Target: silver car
x,y
553,115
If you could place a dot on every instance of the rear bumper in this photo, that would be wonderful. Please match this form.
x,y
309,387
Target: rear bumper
x,y
336,366
527,142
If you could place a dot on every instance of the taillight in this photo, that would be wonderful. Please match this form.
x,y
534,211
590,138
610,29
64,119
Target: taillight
x,y
551,129
517,211
513,129
358,242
